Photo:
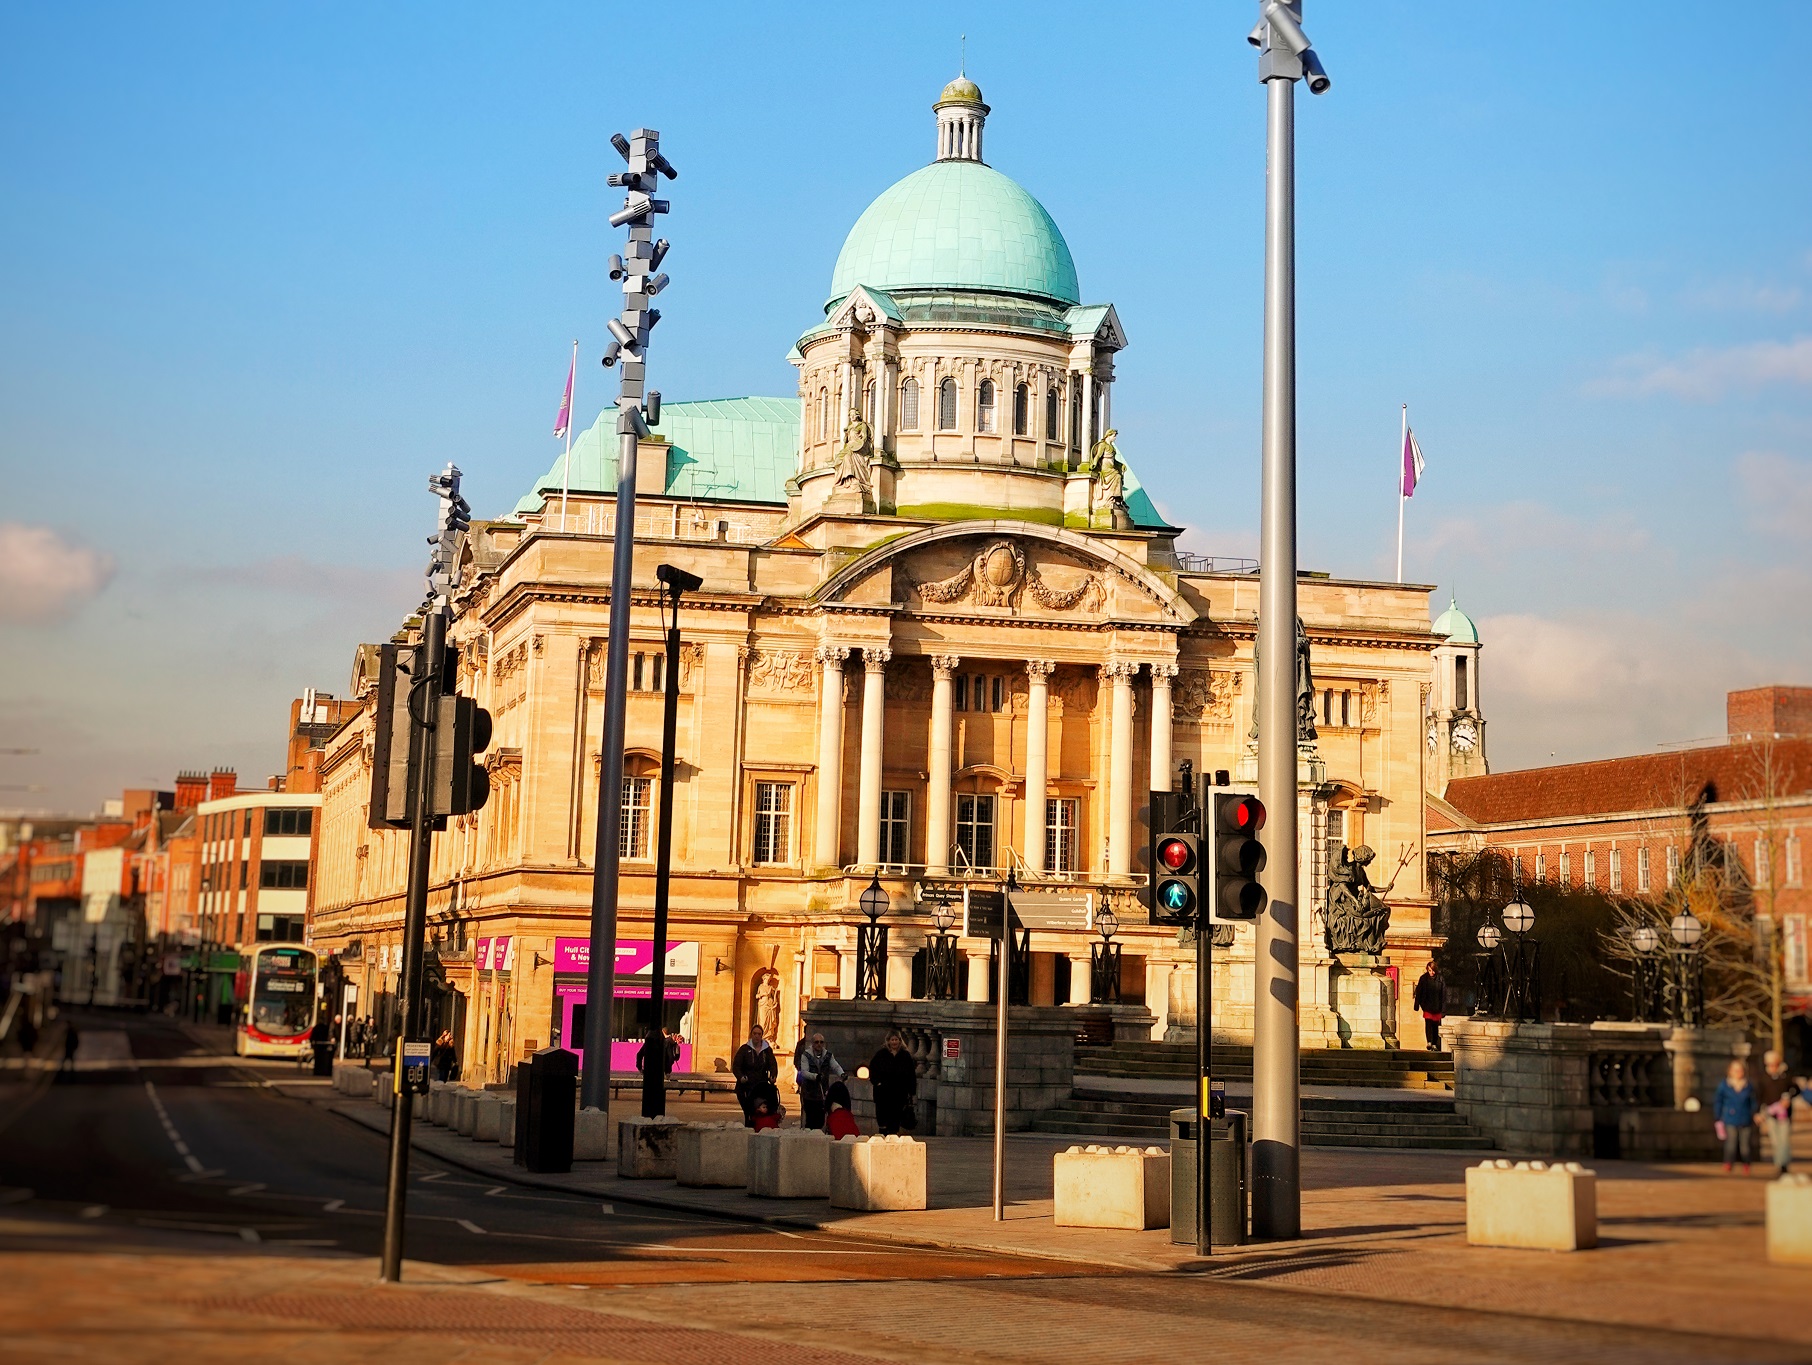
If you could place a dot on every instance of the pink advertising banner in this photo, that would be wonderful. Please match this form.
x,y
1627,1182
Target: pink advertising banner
x,y
635,957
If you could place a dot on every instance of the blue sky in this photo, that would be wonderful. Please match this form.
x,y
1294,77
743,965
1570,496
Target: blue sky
x,y
267,266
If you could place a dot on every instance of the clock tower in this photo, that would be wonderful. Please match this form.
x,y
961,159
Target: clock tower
x,y
1456,718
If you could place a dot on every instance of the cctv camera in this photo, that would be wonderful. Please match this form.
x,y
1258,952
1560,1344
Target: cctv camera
x,y
1285,29
1316,77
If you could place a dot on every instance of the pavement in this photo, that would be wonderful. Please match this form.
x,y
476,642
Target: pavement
x,y
112,1244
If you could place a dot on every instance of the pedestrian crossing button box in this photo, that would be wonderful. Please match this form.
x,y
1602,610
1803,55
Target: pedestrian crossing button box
x,y
412,1067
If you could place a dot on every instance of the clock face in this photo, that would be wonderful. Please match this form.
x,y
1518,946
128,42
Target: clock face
x,y
1465,737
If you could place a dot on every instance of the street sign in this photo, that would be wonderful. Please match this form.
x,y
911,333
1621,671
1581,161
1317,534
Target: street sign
x,y
953,1049
1055,909
413,1067
982,913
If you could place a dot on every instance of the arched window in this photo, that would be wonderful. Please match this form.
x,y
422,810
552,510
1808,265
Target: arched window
x,y
1022,401
984,406
823,414
909,405
946,405
1053,431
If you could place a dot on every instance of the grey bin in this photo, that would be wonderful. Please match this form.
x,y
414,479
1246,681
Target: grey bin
x,y
1227,1178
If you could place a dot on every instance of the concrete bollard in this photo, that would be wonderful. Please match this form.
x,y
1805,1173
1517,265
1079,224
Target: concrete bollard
x,y
591,1135
877,1173
1532,1204
712,1154
486,1111
465,1112
1790,1220
506,1121
645,1148
440,1102
384,1094
789,1163
1112,1187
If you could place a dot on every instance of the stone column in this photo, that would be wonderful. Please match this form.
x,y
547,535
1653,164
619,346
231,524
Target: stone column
x,y
899,967
1038,703
1118,676
868,803
1157,994
1079,978
830,754
846,974
937,795
978,976
1087,416
1161,777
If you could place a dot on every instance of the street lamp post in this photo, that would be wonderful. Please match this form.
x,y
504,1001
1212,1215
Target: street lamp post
x,y
940,952
1524,1000
1642,977
1104,960
1689,970
871,944
1284,59
1490,983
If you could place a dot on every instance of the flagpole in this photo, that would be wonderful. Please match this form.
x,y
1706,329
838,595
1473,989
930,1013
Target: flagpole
x,y
1402,448
566,463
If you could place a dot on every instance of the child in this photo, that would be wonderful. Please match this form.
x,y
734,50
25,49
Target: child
x,y
839,1122
764,1117
1735,1108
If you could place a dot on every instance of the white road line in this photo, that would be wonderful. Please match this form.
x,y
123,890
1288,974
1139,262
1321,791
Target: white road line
x,y
163,1117
252,1188
498,1189
470,1226
438,1175
249,1234
93,1211
608,1208
333,1206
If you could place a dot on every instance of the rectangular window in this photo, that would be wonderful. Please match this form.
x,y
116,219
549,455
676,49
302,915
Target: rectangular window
x,y
1459,683
1794,948
1673,864
962,691
975,831
1541,867
1566,866
773,822
632,835
1060,834
1617,869
245,874
636,664
996,693
1336,835
285,821
283,875
896,825
1052,415
1762,868
909,405
1643,878
1591,868
946,405
1793,860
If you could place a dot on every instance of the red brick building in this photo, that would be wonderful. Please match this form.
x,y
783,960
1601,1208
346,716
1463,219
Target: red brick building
x,y
1623,824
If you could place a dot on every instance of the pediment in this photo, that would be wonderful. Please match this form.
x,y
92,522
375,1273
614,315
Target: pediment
x,y
866,307
1010,569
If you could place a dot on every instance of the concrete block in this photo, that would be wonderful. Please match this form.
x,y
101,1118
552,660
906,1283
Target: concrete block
x,y
465,1112
1532,1204
591,1134
1112,1187
384,1093
440,1103
877,1173
712,1154
789,1163
506,1121
1790,1220
646,1148
487,1111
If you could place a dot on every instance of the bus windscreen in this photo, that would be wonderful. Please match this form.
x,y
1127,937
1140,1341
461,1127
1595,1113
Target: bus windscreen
x,y
283,994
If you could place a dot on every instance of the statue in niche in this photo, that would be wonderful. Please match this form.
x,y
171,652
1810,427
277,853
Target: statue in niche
x,y
764,1002
856,456
1105,467
1306,734
1356,917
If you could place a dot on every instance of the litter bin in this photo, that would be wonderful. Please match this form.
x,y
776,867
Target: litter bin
x,y
546,1098
1227,1176
323,1059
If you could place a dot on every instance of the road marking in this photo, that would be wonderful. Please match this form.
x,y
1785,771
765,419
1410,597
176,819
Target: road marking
x,y
249,1234
163,1117
438,1175
197,1173
498,1189
608,1208
93,1211
333,1206
470,1226
252,1188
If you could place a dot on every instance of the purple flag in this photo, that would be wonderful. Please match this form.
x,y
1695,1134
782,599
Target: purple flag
x,y
1413,464
566,403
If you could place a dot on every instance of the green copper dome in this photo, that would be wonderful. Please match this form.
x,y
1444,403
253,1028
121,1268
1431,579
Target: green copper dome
x,y
957,225
1456,625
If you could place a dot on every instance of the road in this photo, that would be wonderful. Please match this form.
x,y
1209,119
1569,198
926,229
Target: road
x,y
169,1203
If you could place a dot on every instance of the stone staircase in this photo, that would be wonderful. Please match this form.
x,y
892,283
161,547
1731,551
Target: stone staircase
x,y
1320,1067
1393,1122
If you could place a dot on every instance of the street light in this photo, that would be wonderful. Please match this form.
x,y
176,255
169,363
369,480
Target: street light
x,y
1688,1003
940,952
1518,917
1491,976
871,944
1686,929
1104,960
1644,940
1524,1000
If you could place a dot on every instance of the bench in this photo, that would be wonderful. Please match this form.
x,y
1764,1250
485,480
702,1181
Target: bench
x,y
630,1083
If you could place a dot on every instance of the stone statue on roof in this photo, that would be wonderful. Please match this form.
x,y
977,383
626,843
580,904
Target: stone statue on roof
x,y
856,456
1105,467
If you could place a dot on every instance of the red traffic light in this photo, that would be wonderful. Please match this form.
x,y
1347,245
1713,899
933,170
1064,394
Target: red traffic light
x,y
1175,854
1246,815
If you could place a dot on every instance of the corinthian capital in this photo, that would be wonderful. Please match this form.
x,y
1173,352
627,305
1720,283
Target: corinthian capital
x,y
945,665
1039,669
1118,670
1163,672
875,657
832,656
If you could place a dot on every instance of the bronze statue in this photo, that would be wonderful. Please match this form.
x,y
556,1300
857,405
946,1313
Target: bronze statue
x,y
1306,733
1356,916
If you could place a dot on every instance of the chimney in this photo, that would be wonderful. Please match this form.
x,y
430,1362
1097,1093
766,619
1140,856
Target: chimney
x,y
1768,712
191,790
222,782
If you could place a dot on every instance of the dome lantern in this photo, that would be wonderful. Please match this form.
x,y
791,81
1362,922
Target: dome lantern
x,y
960,116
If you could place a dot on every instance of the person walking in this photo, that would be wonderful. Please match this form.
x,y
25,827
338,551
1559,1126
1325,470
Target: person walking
x,y
816,1069
669,1045
1734,1108
1775,1091
1431,999
445,1058
756,1070
895,1077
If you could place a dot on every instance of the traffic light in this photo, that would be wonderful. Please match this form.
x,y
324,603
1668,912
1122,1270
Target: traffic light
x,y
463,732
1176,878
391,780
1235,820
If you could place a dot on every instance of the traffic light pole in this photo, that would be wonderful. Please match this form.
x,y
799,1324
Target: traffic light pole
x,y
424,706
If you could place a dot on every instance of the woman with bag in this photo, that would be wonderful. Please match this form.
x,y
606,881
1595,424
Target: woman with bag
x,y
895,1077
1734,1108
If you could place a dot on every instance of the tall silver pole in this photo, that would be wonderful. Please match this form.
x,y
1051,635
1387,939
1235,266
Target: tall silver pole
x,y
636,268
1276,1133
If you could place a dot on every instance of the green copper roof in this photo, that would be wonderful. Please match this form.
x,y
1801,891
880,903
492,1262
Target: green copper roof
x,y
957,225
1456,625
719,450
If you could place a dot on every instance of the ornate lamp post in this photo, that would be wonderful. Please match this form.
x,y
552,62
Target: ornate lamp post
x,y
1104,960
940,952
1644,940
1689,970
1491,977
1524,998
871,944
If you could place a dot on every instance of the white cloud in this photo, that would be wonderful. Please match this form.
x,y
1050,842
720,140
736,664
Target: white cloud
x,y
1508,533
1710,372
1778,490
43,576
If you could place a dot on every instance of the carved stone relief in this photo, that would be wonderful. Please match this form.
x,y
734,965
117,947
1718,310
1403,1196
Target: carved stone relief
x,y
779,672
1206,695
1076,689
998,576
909,680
